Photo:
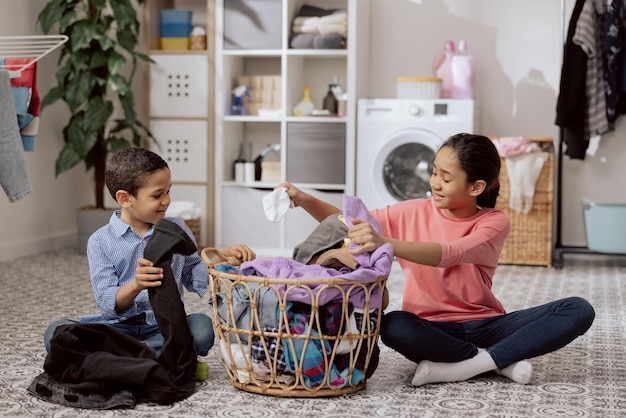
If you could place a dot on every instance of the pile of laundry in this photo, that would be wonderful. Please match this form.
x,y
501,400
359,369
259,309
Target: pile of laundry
x,y
316,28
324,334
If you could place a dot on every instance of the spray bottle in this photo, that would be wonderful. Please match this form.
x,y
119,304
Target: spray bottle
x,y
237,108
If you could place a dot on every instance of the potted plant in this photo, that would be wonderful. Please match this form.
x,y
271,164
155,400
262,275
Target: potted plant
x,y
96,69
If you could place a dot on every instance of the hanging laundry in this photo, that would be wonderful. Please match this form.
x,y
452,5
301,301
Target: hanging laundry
x,y
26,99
614,46
589,35
13,173
524,161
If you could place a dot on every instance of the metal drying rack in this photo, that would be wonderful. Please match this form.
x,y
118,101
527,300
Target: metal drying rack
x,y
33,46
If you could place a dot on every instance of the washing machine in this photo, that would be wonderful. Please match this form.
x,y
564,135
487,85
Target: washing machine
x,y
397,140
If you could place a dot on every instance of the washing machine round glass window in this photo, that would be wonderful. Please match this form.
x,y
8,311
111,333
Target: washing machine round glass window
x,y
407,170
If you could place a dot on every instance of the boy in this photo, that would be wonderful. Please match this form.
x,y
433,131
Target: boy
x,y
140,181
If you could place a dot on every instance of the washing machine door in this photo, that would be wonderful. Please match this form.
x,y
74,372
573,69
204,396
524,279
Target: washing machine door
x,y
404,164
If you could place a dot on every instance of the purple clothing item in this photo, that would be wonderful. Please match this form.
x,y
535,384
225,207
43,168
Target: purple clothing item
x,y
371,266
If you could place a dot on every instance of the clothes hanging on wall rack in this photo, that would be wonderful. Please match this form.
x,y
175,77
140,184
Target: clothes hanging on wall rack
x,y
31,47
26,99
13,173
19,106
596,34
593,74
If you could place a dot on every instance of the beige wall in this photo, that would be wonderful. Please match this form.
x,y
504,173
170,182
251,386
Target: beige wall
x,y
45,219
517,48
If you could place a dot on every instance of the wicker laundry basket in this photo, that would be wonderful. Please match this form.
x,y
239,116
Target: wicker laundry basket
x,y
353,345
195,226
530,239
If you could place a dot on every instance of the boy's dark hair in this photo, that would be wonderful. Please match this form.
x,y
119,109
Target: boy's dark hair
x,y
127,169
480,160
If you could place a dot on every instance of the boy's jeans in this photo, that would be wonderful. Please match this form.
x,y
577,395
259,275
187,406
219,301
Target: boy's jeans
x,y
200,326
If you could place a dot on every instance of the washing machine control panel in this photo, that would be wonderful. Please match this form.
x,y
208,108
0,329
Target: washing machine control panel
x,y
414,110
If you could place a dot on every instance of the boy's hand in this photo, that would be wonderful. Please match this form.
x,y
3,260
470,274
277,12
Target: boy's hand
x,y
240,251
147,275
296,195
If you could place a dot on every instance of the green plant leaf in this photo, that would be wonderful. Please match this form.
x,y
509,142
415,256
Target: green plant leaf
x,y
51,15
53,95
117,143
97,113
79,90
78,138
68,158
124,12
120,85
98,59
83,33
115,62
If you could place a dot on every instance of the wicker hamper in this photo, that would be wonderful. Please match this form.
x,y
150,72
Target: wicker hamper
x,y
194,225
353,345
530,239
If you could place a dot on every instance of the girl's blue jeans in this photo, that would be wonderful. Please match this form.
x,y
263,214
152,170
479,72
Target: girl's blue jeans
x,y
200,326
508,338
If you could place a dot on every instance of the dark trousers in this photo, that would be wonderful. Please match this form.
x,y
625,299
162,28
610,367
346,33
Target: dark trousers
x,y
508,338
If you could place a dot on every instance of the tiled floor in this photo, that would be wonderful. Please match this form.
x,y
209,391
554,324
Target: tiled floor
x,y
585,379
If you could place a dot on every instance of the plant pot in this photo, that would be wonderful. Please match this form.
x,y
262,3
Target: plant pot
x,y
88,220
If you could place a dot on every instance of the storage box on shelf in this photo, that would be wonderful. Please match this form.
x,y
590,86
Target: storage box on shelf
x,y
179,99
175,29
317,152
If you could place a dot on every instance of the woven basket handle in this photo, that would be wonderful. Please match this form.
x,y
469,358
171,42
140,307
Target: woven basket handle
x,y
225,259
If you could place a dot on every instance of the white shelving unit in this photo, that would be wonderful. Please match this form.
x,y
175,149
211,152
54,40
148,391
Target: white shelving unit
x,y
317,153
179,97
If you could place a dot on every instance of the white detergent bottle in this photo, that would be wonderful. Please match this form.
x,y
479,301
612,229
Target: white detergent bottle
x,y
442,68
462,73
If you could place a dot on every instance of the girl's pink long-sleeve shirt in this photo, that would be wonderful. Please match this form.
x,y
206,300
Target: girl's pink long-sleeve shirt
x,y
459,288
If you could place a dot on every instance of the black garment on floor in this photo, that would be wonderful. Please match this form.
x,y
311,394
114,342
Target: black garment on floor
x,y
97,366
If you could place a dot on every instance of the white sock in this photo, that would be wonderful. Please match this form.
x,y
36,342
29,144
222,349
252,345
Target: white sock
x,y
520,371
432,372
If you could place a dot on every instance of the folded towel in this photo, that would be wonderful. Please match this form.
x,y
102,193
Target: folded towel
x,y
333,29
306,20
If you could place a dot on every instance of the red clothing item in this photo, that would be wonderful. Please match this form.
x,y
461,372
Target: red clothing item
x,y
459,288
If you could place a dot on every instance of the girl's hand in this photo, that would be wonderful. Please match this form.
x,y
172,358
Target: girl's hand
x,y
296,195
240,251
147,275
364,235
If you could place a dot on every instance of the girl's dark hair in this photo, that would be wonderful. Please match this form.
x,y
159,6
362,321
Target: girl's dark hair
x,y
127,169
480,160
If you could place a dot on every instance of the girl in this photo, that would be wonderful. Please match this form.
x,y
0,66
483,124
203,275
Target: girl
x,y
451,323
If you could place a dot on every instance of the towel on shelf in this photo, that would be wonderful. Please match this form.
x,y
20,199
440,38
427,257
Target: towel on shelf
x,y
317,28
524,170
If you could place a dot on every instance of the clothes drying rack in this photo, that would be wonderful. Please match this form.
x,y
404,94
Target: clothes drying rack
x,y
34,47
558,248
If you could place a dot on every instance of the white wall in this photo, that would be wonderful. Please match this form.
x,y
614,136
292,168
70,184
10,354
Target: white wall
x,y
45,219
517,50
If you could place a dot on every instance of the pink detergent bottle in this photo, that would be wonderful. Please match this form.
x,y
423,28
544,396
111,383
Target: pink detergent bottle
x,y
462,68
442,68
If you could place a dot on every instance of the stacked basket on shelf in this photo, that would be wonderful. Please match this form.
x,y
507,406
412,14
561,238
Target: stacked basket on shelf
x,y
175,29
